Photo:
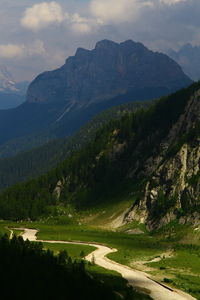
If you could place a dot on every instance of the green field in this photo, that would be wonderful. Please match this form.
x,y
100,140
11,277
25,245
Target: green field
x,y
74,251
182,267
187,261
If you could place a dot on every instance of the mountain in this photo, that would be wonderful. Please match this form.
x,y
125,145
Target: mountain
x,y
7,83
109,70
10,100
150,157
188,57
12,94
60,101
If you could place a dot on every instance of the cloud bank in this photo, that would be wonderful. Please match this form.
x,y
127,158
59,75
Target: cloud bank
x,y
9,51
40,35
42,15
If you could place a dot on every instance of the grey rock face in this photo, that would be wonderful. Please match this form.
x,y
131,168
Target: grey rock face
x,y
174,179
105,72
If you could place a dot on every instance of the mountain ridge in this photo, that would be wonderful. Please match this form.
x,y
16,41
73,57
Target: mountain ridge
x,y
138,157
187,57
61,101
110,67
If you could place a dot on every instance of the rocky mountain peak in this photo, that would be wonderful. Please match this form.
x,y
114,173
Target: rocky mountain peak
x,y
107,71
106,44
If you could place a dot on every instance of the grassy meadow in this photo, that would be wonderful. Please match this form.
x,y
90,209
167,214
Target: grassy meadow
x,y
144,251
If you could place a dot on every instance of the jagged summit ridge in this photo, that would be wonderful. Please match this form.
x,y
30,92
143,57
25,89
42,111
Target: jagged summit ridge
x,y
62,100
109,70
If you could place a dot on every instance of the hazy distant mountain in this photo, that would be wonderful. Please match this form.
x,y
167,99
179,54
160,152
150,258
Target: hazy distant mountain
x,y
12,93
7,82
111,74
188,57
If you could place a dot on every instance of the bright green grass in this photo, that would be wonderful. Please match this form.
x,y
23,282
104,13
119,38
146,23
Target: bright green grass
x,y
105,213
187,263
74,251
17,232
183,268
189,283
3,228
84,233
130,247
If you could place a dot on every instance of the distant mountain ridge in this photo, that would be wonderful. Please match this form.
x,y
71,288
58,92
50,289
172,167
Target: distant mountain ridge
x,y
60,101
12,93
188,57
7,82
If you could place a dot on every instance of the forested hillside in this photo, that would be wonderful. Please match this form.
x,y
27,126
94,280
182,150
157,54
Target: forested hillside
x,y
124,159
42,159
45,276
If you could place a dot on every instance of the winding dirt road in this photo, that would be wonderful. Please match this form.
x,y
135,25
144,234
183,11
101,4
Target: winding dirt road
x,y
137,279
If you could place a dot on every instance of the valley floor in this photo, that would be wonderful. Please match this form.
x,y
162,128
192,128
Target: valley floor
x,y
137,279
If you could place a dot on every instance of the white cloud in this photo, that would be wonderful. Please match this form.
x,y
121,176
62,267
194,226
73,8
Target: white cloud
x,y
9,51
171,2
37,48
112,11
42,15
158,24
80,24
81,28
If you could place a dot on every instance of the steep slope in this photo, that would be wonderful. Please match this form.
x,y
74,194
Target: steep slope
x,y
42,159
62,100
173,186
150,157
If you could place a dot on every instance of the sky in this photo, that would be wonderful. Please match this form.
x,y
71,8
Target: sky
x,y
39,35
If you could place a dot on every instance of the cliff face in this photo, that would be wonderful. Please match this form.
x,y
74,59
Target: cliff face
x,y
173,188
105,72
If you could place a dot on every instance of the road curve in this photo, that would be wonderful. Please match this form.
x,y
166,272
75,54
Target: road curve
x,y
137,279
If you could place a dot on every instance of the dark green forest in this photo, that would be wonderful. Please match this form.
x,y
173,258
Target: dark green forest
x,y
29,272
40,160
92,174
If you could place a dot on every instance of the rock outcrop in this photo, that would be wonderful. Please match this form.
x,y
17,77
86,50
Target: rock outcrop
x,y
173,188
